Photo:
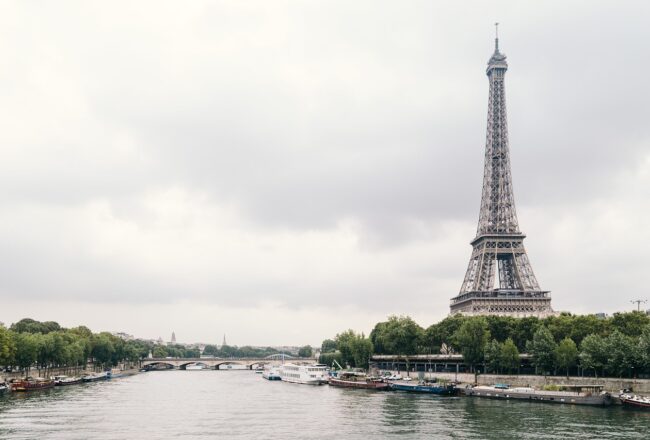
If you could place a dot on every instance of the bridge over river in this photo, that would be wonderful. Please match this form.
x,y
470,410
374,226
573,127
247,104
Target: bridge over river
x,y
221,363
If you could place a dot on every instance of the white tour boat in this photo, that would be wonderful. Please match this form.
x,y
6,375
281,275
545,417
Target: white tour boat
x,y
313,374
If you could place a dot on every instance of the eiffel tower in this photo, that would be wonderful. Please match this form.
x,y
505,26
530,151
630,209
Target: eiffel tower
x,y
498,249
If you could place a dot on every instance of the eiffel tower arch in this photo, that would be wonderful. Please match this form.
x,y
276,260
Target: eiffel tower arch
x,y
499,278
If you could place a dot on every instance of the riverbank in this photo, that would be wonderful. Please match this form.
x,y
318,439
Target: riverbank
x,y
50,372
641,386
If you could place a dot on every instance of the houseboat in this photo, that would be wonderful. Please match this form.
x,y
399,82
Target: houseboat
x,y
31,384
357,379
570,394
62,380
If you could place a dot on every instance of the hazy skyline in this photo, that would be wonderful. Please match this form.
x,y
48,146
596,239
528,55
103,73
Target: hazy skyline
x,y
282,171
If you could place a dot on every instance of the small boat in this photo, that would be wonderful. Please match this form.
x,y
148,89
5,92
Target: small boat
x,y
96,376
31,384
357,379
195,367
3,388
571,394
272,373
635,401
62,380
425,387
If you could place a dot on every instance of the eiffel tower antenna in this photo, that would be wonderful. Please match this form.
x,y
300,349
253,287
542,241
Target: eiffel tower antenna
x,y
499,278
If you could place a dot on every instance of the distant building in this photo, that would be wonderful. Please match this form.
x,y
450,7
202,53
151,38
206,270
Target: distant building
x,y
601,315
224,340
173,338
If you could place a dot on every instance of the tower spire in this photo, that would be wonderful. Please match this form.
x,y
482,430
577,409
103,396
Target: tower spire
x,y
496,39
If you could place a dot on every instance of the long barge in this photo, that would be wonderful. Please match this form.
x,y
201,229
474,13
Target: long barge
x,y
427,388
573,395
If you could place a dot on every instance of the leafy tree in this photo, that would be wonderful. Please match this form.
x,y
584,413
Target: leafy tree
x,y
442,333
644,347
305,351
524,331
27,346
329,358
210,350
471,338
103,349
7,347
593,353
399,335
361,351
566,354
355,348
630,324
159,351
542,349
328,346
501,327
509,356
623,353
28,325
493,355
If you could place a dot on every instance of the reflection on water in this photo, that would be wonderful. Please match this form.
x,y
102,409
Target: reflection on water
x,y
240,404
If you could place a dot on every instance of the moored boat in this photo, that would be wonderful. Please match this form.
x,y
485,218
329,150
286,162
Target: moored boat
x,y
3,388
573,395
94,377
62,380
634,401
272,373
355,379
312,374
425,387
31,384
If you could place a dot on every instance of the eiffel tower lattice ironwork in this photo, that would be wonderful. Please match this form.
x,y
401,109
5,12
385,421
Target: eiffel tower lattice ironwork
x,y
499,278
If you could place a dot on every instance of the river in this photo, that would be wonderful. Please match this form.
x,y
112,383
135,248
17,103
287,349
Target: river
x,y
242,405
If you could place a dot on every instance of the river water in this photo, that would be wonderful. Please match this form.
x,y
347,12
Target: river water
x,y
242,405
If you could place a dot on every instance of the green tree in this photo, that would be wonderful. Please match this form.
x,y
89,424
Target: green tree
x,y
328,346
593,353
501,327
159,351
7,347
542,349
509,356
623,354
103,349
210,350
399,335
524,331
355,348
471,338
566,354
442,333
305,351
630,324
644,348
27,346
493,356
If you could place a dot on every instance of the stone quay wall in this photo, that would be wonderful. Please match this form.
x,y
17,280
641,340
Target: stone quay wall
x,y
640,386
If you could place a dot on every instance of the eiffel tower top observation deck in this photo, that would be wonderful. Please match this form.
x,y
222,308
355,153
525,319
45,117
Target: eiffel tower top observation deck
x,y
499,279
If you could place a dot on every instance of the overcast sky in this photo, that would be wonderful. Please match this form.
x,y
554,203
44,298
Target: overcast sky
x,y
280,171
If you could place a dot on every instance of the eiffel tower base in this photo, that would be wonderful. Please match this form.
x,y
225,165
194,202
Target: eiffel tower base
x,y
514,307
